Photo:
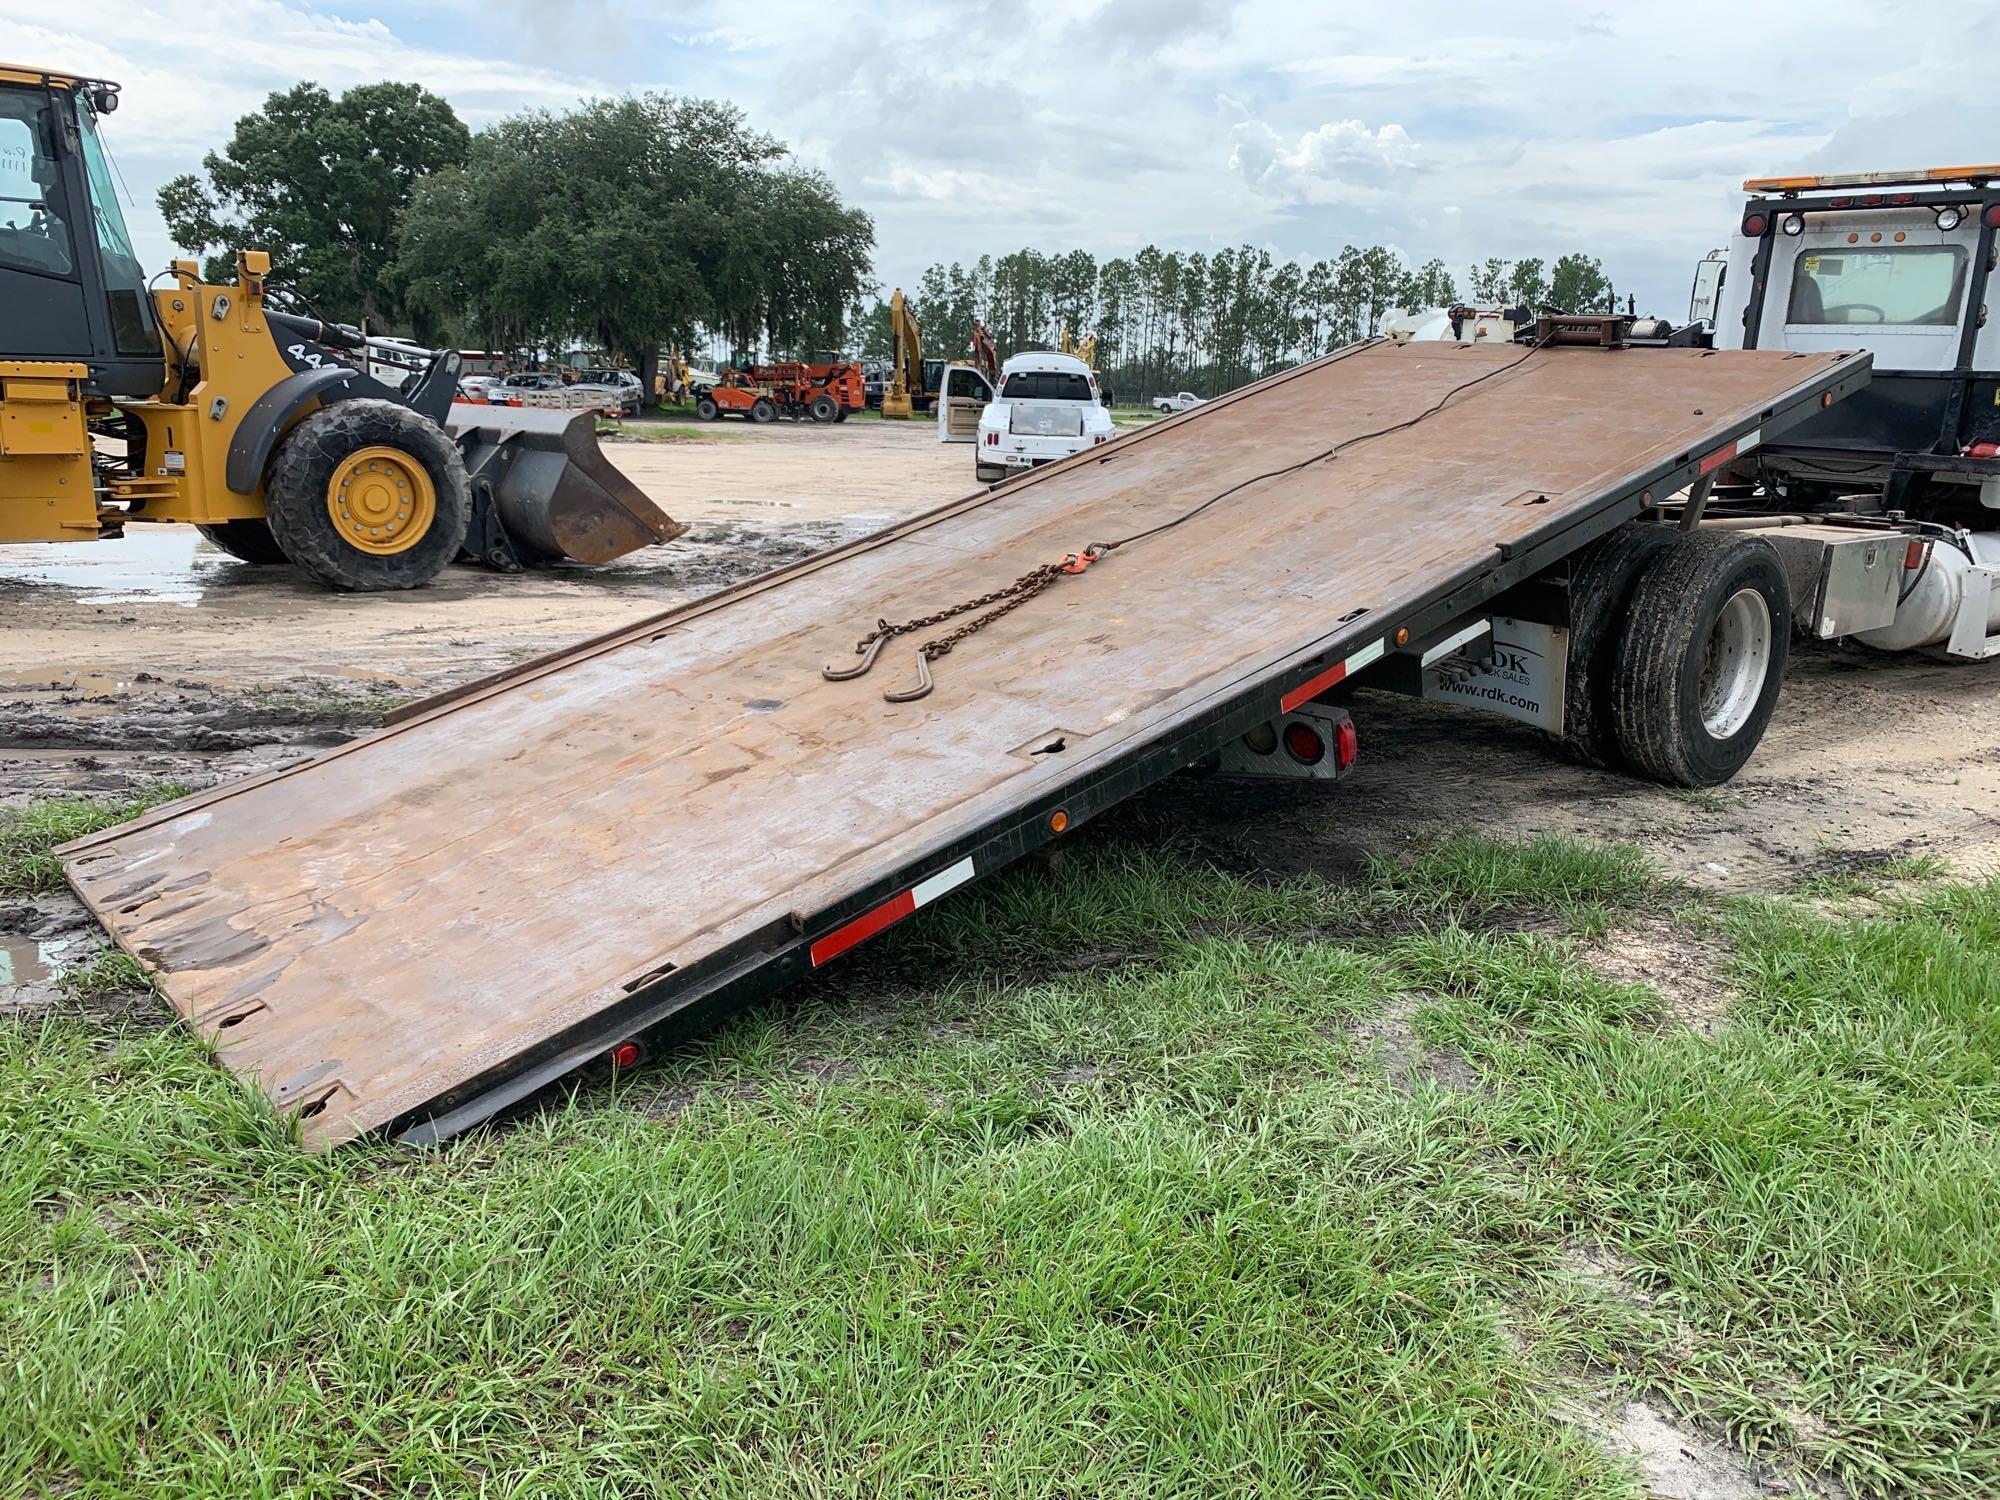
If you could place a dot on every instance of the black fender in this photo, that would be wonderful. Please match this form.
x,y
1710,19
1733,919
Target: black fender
x,y
271,413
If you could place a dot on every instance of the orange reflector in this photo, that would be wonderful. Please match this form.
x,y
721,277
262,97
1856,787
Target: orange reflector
x,y
1058,821
1913,556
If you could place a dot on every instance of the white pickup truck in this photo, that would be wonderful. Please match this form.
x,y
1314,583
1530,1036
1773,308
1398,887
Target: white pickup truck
x,y
1046,407
1179,401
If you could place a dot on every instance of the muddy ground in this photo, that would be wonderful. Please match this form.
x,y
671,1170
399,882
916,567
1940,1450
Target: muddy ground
x,y
157,657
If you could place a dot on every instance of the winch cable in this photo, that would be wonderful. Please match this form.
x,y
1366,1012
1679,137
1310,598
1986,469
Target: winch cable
x,y
1035,580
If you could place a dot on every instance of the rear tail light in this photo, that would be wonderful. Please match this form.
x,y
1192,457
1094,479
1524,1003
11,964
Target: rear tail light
x,y
1346,745
625,1055
1753,226
1991,218
1983,450
1304,743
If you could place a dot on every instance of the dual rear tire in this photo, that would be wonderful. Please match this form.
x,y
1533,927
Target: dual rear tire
x,y
1678,644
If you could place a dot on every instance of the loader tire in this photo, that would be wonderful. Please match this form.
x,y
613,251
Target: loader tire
x,y
368,495
706,409
1702,658
763,410
247,541
841,415
1600,596
825,409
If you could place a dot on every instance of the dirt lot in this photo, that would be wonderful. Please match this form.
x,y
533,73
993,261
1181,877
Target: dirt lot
x,y
125,662
159,656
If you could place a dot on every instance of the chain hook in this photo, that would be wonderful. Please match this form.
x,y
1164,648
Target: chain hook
x,y
923,687
867,649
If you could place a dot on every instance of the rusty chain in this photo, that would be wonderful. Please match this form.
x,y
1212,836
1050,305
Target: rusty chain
x,y
1035,580
1010,598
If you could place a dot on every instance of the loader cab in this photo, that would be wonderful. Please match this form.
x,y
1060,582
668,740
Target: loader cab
x,y
1895,263
71,285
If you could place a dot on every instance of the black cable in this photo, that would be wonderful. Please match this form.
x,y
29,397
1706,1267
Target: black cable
x,y
1333,452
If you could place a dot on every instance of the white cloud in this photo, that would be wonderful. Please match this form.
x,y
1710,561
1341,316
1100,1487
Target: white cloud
x,y
985,125
1337,163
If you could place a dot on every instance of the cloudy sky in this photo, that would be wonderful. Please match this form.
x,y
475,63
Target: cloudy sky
x,y
1456,130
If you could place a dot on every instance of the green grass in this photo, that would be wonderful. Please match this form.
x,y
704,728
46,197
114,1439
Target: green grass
x,y
28,833
108,972
1100,1183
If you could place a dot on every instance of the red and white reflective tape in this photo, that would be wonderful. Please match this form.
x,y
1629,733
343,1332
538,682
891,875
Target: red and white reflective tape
x,y
890,912
1728,451
1305,692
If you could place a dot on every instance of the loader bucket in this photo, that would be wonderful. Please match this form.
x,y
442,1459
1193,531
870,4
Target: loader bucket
x,y
554,490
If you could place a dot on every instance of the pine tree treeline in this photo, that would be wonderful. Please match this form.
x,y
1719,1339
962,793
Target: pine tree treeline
x,y
1169,320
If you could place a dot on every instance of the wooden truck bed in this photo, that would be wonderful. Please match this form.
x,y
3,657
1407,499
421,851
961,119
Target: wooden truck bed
x,y
417,928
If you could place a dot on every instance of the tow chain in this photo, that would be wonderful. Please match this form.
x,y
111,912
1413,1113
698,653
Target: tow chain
x,y
1008,599
1035,580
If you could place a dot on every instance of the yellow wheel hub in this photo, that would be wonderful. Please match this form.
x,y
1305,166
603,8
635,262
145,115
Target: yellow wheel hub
x,y
381,501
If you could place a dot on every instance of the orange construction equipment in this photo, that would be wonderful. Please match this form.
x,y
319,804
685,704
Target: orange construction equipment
x,y
824,392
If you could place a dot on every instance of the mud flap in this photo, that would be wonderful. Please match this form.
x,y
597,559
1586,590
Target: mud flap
x,y
542,489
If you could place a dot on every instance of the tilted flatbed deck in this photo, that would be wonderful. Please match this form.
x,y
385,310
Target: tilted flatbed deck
x,y
421,927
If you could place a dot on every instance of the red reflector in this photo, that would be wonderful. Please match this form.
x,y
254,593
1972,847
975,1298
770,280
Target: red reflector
x,y
1991,218
1913,556
625,1055
1307,748
1753,226
1983,450
1871,200
1902,197
1346,745
1840,203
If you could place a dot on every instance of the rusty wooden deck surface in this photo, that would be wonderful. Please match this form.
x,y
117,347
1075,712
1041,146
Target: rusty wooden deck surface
x,y
367,929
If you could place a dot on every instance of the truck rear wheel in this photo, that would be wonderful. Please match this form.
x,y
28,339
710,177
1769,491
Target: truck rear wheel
x,y
1600,596
1702,658
368,495
247,541
706,409
825,408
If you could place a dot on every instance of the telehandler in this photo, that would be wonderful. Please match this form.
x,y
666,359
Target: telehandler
x,y
258,426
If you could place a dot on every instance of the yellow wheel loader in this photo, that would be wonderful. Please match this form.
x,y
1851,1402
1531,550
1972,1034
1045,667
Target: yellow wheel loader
x,y
122,403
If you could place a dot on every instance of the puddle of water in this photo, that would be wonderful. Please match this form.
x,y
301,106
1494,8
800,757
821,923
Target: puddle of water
x,y
148,565
25,960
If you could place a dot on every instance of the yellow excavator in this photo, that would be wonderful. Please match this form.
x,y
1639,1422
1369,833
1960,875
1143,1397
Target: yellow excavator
x,y
913,380
1084,349
123,403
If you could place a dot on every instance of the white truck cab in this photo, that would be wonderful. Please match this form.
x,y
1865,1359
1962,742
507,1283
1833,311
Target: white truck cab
x,y
1045,407
1178,401
1898,264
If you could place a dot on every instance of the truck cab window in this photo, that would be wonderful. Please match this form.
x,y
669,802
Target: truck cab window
x,y
1046,385
1910,285
34,233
